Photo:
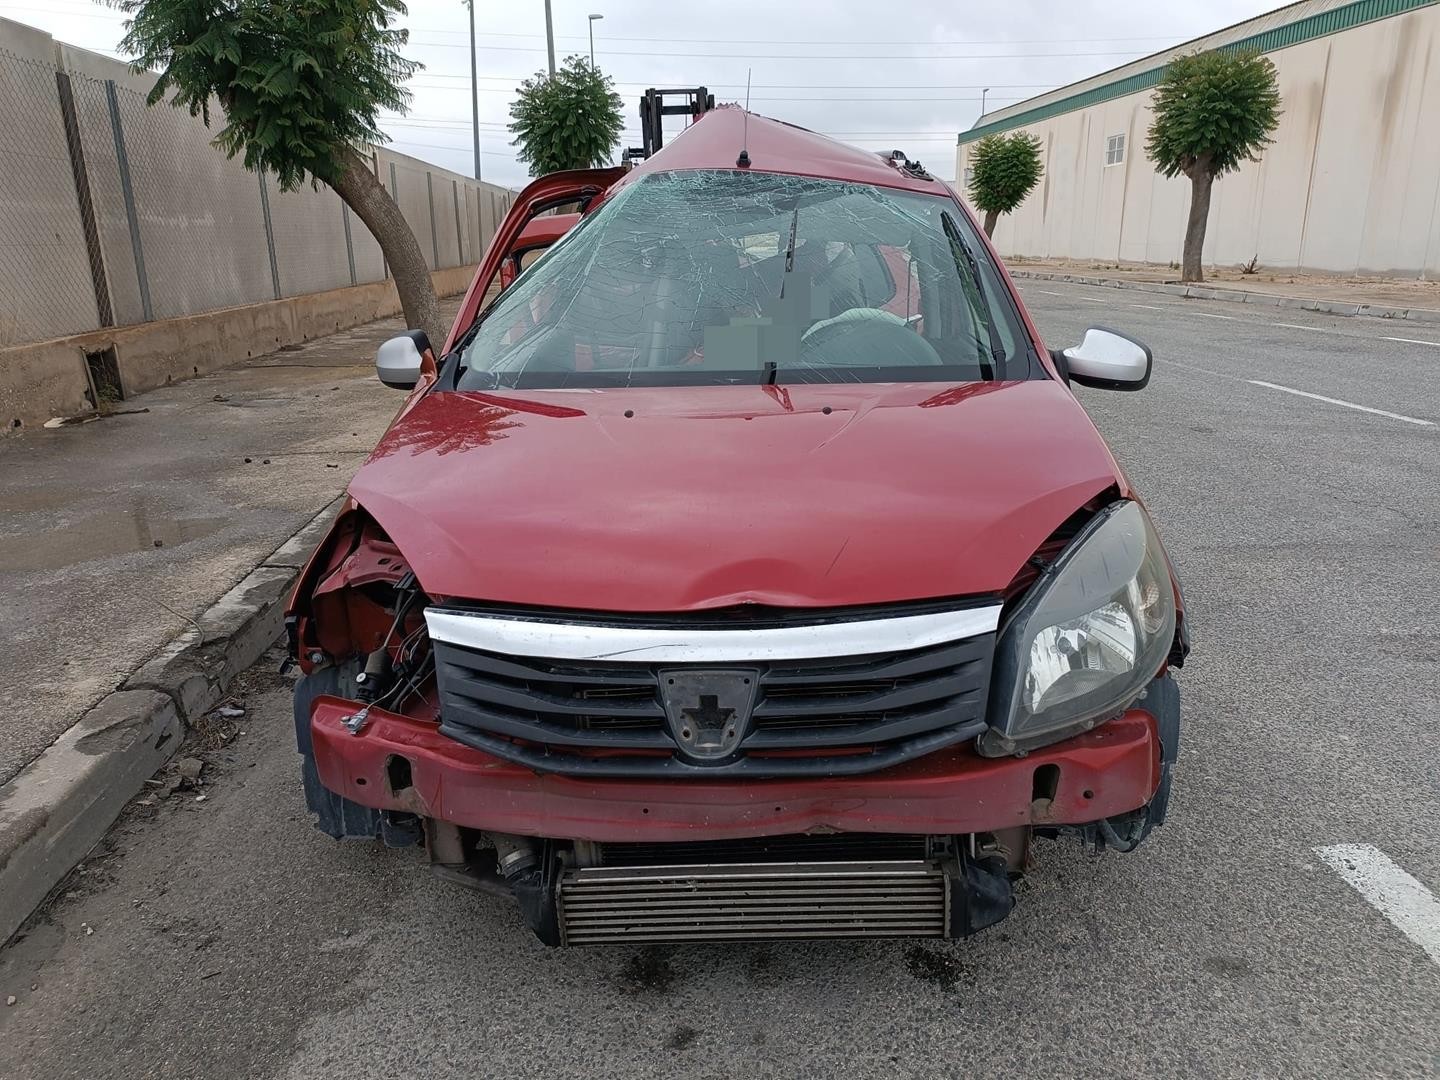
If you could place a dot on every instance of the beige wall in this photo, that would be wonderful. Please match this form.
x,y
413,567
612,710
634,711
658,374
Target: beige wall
x,y
1350,186
200,216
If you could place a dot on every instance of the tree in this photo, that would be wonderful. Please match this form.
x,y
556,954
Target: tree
x,y
569,120
301,85
1005,169
1214,111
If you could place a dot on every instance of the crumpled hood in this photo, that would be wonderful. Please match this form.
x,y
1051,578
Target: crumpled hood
x,y
676,499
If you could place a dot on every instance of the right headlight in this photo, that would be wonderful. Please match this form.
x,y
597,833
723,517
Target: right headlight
x,y
1087,639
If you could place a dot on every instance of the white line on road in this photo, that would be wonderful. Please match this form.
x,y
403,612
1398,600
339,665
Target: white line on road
x,y
1414,341
1092,299
1409,905
1297,326
1153,307
1050,292
1337,401
1207,315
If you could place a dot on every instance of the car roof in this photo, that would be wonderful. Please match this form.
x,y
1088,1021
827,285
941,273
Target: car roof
x,y
715,138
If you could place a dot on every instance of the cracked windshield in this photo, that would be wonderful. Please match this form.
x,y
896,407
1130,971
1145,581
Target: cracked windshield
x,y
732,277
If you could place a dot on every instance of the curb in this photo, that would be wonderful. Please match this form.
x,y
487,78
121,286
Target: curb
x,y
1239,296
61,804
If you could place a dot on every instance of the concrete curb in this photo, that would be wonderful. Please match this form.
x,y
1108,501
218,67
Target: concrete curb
x,y
60,805
1238,296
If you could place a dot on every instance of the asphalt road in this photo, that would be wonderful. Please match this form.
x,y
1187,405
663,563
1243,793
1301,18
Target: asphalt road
x,y
228,939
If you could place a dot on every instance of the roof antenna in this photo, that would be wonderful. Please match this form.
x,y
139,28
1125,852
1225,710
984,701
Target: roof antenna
x,y
743,161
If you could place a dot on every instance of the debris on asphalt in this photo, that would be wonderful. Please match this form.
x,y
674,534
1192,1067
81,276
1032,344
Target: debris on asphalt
x,y
87,928
201,798
211,974
10,999
159,543
220,397
230,710
190,768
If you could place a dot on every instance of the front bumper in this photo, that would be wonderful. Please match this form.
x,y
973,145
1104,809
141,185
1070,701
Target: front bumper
x,y
1116,768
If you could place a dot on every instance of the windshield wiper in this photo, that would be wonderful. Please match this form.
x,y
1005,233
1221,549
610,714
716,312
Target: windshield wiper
x,y
959,248
790,248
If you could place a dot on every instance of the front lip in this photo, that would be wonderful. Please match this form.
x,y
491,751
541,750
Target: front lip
x,y
1104,773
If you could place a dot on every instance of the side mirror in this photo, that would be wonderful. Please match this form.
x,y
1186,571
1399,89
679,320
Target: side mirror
x,y
398,361
1108,360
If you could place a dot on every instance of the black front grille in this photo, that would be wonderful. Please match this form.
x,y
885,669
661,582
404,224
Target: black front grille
x,y
829,716
827,847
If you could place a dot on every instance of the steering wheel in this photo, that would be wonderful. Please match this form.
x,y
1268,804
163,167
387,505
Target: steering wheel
x,y
866,337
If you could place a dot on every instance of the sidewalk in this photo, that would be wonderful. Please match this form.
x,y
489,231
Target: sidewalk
x,y
119,534
1391,298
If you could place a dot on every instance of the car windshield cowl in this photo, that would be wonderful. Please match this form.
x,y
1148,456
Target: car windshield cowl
x,y
736,277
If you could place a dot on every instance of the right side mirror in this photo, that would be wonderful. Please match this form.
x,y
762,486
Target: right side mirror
x,y
398,361
1108,360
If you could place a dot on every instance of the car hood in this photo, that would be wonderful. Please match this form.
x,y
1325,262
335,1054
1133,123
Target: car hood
x,y
677,499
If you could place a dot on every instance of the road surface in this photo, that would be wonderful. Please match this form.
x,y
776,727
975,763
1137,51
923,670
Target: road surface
x,y
1292,463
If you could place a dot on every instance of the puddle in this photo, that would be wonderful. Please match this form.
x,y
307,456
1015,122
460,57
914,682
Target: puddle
x,y
103,535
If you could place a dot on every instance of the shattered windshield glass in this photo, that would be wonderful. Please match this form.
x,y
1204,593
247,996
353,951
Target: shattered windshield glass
x,y
731,277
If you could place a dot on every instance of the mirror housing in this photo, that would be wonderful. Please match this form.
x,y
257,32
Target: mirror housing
x,y
1107,360
399,360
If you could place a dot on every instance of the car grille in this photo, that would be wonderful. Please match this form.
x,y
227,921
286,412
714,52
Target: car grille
x,y
823,716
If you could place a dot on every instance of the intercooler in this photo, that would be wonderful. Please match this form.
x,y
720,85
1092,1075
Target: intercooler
x,y
738,902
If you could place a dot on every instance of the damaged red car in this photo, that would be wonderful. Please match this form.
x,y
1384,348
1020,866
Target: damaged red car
x,y
746,568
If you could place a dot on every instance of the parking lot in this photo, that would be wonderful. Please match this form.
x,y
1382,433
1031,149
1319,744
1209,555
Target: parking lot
x,y
1292,464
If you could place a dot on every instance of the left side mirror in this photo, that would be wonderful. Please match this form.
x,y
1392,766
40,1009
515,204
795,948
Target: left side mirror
x,y
1108,360
398,361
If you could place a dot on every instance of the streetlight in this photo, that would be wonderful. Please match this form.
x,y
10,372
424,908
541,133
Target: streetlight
x,y
592,37
474,89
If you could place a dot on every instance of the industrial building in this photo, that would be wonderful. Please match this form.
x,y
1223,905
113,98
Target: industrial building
x,y
1351,184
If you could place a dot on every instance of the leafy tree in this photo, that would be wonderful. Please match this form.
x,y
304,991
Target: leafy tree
x,y
301,84
1005,168
1214,111
569,120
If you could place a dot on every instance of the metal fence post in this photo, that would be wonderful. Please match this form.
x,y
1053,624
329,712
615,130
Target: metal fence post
x,y
459,233
349,243
269,233
434,239
101,283
122,161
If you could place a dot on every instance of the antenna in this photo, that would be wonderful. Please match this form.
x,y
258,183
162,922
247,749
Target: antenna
x,y
743,161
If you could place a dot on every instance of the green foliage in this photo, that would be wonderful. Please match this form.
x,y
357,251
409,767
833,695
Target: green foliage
x,y
1214,111
1006,169
300,81
569,120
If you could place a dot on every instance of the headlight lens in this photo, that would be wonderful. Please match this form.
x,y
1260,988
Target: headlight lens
x,y
1090,635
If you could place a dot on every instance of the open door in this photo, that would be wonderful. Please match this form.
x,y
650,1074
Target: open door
x,y
578,186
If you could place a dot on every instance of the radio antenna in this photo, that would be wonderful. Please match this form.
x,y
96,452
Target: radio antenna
x,y
743,161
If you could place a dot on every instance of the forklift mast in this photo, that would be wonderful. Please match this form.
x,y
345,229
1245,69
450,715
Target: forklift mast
x,y
695,100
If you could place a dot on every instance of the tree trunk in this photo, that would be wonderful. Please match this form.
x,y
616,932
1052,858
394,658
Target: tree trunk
x,y
991,217
1201,180
366,195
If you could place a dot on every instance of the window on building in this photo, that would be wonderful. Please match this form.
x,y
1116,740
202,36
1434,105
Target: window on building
x,y
1115,149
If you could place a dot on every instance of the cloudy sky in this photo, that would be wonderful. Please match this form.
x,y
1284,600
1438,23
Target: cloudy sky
x,y
906,74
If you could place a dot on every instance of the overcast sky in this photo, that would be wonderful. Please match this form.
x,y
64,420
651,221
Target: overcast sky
x,y
906,74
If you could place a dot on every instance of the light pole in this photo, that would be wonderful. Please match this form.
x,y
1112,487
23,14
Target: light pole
x,y
550,36
474,89
592,37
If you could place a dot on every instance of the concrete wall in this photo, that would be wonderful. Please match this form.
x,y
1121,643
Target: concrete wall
x,y
1350,186
199,218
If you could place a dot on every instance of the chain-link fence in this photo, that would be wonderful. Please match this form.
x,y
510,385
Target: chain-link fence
x,y
113,212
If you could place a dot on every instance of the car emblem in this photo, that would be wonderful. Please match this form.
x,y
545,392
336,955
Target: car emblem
x,y
708,710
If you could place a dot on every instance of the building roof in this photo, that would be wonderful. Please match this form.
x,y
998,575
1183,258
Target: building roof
x,y
1278,29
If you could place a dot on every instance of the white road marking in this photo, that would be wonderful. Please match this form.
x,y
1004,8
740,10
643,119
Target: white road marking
x,y
1414,341
1409,905
1153,307
1297,326
1092,299
1206,315
1337,401
1050,292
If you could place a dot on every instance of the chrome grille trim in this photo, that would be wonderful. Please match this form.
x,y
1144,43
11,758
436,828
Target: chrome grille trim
x,y
559,640
751,902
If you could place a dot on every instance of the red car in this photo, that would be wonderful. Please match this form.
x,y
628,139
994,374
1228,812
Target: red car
x,y
745,569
